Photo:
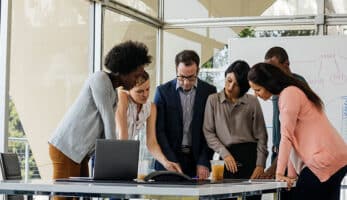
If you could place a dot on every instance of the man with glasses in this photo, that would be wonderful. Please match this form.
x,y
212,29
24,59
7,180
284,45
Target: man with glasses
x,y
181,105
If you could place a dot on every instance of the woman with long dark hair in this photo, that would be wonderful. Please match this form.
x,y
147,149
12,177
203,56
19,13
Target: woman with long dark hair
x,y
310,146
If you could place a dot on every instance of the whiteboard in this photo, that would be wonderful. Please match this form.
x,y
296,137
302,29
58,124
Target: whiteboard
x,y
321,60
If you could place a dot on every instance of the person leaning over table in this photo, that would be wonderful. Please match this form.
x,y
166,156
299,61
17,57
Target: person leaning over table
x,y
234,126
136,113
91,116
181,105
311,148
278,57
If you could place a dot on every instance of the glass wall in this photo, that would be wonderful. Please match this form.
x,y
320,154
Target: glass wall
x,y
336,7
207,42
203,41
211,45
292,7
48,65
50,45
149,7
211,9
236,8
119,28
337,30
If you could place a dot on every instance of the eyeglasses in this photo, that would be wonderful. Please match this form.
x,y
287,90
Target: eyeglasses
x,y
188,78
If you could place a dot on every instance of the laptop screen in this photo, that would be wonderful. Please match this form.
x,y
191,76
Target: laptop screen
x,y
116,159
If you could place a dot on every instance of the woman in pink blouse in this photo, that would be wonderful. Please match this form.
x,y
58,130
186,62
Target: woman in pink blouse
x,y
311,148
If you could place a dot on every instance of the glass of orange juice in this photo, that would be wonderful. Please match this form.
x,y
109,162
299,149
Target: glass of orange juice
x,y
217,170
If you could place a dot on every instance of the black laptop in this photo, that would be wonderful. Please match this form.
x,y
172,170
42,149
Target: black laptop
x,y
115,160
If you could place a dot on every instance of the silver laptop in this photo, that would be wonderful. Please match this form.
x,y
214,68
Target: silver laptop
x,y
116,159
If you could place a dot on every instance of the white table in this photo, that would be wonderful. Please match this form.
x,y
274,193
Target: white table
x,y
120,190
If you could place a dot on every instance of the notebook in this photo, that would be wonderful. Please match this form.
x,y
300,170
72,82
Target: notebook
x,y
115,160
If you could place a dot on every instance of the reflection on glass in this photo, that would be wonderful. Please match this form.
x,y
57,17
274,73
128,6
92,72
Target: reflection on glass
x,y
236,8
215,78
119,28
284,33
149,7
17,143
205,41
212,71
276,31
337,30
335,7
213,8
49,63
292,7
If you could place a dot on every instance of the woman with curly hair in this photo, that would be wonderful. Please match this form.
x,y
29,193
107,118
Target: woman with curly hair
x,y
92,114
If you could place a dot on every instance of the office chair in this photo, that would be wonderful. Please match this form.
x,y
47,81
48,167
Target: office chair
x,y
10,170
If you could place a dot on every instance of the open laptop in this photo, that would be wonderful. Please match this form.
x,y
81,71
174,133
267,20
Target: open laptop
x,y
115,160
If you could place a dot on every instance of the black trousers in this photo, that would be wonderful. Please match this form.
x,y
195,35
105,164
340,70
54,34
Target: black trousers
x,y
245,154
308,186
187,163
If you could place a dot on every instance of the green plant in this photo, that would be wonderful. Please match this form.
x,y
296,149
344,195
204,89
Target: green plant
x,y
15,130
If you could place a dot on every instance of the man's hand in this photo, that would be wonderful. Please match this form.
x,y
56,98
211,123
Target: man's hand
x,y
271,171
202,172
258,170
230,163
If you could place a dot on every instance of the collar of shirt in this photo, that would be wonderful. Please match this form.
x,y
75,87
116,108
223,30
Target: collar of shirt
x,y
274,97
223,98
178,85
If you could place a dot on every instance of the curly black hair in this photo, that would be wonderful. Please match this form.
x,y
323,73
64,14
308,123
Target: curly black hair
x,y
126,57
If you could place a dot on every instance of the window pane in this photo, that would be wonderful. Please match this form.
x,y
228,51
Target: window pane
x,y
337,30
292,7
236,8
119,28
336,7
149,7
49,63
209,43
284,31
